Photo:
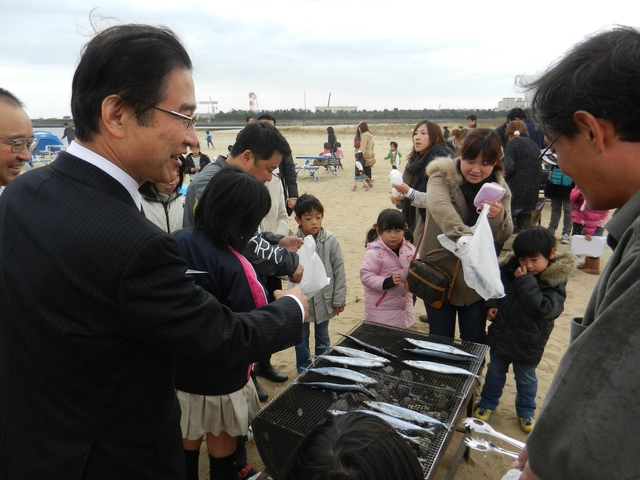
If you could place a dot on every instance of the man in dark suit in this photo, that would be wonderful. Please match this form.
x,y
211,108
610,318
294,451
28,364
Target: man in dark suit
x,y
95,301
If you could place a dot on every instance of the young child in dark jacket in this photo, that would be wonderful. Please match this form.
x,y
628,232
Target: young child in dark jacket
x,y
534,279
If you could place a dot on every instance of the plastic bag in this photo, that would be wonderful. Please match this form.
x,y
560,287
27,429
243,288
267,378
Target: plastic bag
x,y
478,257
314,276
395,178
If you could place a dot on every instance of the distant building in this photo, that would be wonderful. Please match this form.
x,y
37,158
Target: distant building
x,y
507,103
337,109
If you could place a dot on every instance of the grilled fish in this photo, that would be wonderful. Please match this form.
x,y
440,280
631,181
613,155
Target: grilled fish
x,y
352,361
354,352
405,413
439,347
371,348
399,424
435,354
346,374
438,367
337,387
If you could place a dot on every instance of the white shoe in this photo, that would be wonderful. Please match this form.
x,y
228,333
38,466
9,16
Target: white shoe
x,y
565,239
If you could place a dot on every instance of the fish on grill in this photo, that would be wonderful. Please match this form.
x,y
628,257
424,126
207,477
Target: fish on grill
x,y
404,413
351,361
337,387
371,348
439,347
345,373
354,352
438,367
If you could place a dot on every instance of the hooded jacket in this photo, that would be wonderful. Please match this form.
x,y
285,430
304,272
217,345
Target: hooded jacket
x,y
446,212
163,210
527,313
393,307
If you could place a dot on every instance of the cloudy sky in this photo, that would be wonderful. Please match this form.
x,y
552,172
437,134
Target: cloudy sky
x,y
373,54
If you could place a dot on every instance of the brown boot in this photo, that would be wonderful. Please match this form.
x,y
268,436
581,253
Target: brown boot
x,y
583,264
593,266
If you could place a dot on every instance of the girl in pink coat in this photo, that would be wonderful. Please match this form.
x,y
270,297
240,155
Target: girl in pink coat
x,y
384,270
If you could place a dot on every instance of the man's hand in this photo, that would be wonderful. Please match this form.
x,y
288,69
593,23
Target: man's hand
x,y
292,203
296,292
522,463
338,310
291,243
296,277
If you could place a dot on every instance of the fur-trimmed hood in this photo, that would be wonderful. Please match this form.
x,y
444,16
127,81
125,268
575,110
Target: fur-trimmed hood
x,y
558,272
448,168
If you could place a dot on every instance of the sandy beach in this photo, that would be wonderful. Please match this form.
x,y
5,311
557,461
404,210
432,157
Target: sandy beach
x,y
349,215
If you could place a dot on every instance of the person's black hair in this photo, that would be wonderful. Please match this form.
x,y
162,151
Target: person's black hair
x,y
131,61
266,116
262,139
231,208
330,130
395,144
10,98
473,118
388,219
338,145
326,146
249,117
534,240
516,113
307,204
353,446
599,75
485,141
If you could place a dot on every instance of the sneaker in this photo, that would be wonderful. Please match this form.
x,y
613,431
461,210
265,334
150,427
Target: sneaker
x,y
565,238
527,423
482,413
248,473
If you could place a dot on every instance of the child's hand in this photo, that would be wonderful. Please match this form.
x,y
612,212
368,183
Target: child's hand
x,y
587,237
396,278
520,271
491,313
338,310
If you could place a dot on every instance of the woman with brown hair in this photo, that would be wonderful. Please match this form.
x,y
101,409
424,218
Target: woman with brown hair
x,y
448,202
428,144
366,148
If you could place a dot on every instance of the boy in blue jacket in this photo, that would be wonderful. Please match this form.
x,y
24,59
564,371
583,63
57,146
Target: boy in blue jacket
x,y
534,279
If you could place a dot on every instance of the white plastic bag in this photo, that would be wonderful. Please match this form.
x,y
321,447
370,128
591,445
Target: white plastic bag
x,y
395,178
314,276
477,254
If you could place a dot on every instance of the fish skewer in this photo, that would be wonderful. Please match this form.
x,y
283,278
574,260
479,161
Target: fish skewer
x,y
439,347
344,373
372,348
438,368
405,413
354,352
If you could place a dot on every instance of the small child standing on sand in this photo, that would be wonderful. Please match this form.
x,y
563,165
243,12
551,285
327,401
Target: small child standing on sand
x,y
534,279
384,271
330,301
394,156
360,176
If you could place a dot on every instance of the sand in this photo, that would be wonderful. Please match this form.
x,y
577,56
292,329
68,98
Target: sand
x,y
349,215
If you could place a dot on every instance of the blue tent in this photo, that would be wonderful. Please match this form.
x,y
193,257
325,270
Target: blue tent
x,y
47,142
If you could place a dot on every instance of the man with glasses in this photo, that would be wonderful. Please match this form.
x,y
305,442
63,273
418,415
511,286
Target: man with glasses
x,y
16,142
95,301
588,104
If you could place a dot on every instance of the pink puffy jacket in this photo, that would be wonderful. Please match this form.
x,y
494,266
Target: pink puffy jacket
x,y
393,307
585,216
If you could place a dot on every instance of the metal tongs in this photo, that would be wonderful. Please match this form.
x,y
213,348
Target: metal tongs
x,y
479,426
486,446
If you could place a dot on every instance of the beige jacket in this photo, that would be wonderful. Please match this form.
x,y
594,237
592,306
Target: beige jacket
x,y
446,210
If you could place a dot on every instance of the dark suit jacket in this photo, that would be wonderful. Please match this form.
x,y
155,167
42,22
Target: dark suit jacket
x,y
94,308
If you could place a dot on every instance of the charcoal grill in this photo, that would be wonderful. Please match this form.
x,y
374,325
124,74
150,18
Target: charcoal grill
x,y
281,425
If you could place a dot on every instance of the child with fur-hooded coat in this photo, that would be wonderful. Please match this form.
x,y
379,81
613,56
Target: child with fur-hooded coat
x,y
527,313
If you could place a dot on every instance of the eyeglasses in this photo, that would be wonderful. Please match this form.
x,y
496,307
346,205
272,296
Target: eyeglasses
x,y
544,152
19,143
188,121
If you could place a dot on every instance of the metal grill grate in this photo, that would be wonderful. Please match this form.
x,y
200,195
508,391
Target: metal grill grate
x,y
283,423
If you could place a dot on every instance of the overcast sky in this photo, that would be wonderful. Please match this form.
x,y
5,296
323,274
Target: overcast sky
x,y
372,54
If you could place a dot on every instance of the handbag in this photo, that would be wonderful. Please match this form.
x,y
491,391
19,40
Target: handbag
x,y
428,282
